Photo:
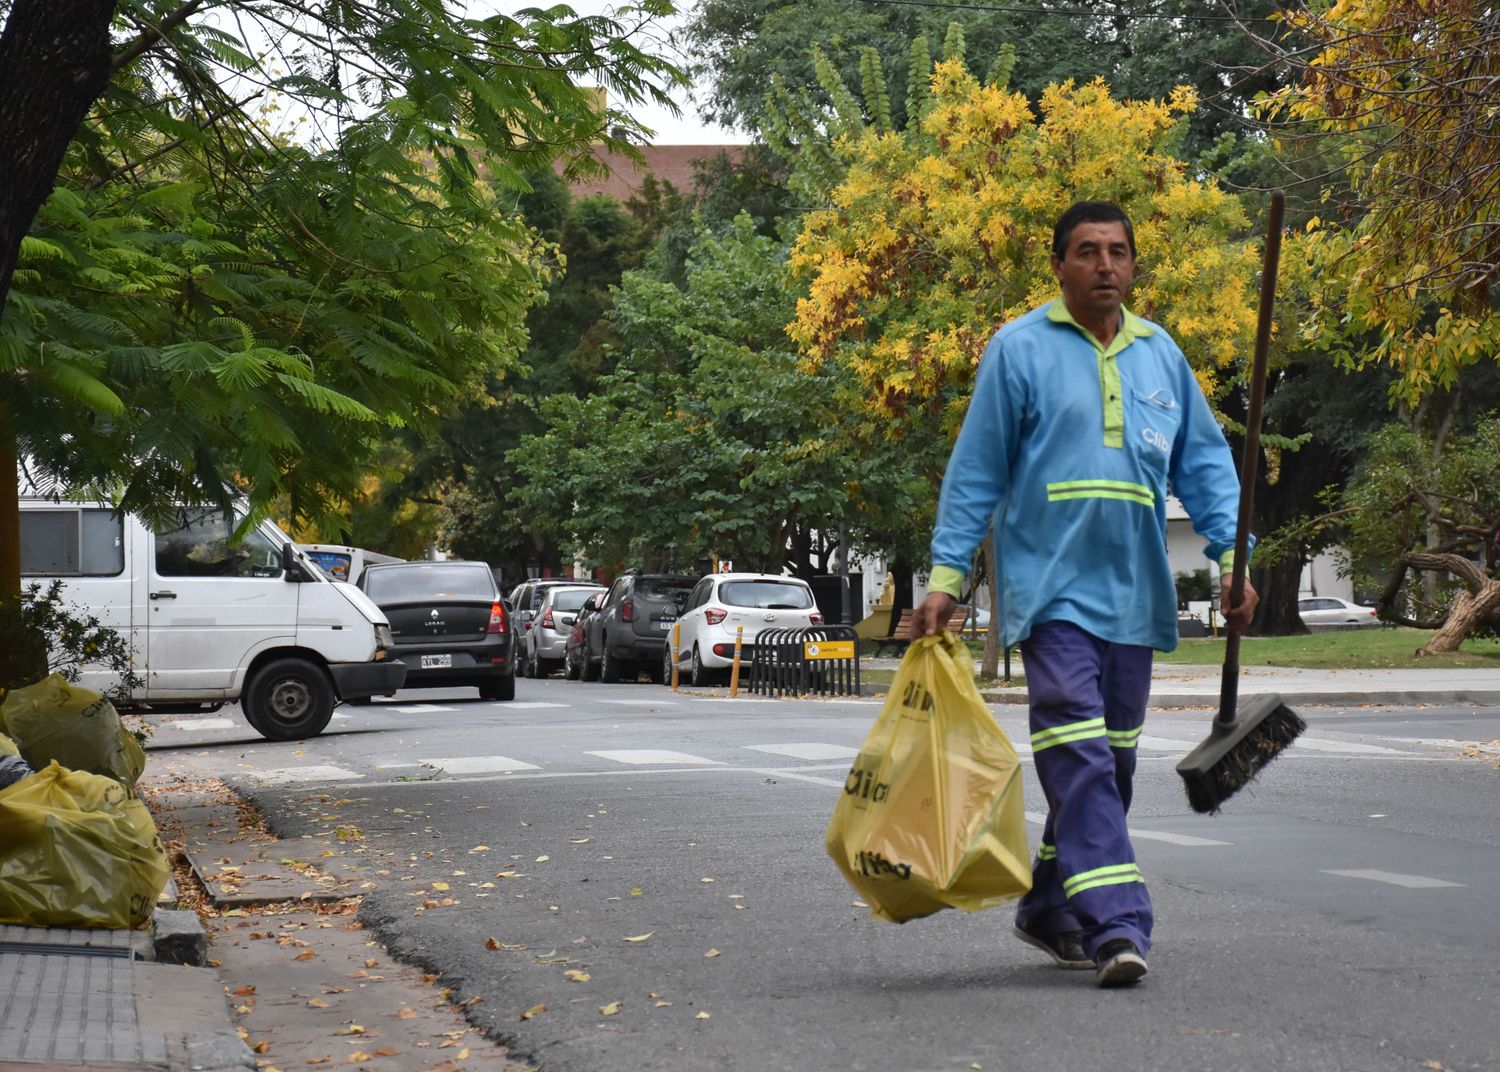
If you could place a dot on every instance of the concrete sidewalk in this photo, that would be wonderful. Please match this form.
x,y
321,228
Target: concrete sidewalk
x,y
1175,685
104,1000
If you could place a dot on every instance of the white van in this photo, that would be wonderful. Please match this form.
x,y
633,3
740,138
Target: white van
x,y
211,623
341,562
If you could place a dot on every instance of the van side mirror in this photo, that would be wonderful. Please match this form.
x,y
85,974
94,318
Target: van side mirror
x,y
291,566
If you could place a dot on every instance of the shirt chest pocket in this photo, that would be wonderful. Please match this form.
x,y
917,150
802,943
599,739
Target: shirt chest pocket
x,y
1155,415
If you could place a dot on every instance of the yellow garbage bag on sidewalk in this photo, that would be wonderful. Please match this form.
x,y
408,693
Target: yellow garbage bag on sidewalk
x,y
57,720
79,851
931,815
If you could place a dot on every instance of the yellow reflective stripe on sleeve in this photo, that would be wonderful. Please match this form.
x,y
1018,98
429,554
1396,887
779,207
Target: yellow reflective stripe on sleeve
x,y
1125,738
1101,489
1072,731
1046,852
1114,875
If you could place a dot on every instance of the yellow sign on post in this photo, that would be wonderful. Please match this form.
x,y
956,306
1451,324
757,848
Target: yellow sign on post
x,y
828,649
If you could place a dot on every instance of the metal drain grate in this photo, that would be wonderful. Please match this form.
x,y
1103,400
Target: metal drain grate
x,y
37,949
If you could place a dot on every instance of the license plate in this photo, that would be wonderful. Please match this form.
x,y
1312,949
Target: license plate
x,y
437,662
665,623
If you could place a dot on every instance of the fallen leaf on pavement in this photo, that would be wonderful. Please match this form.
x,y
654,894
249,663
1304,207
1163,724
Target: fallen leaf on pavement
x,y
579,840
533,1012
663,1004
480,848
491,943
386,1051
405,1014
357,1056
440,885
577,976
705,880
640,937
263,1046
351,1029
317,1003
611,1009
711,953
306,954
636,891
244,991
703,1016
319,1060
543,859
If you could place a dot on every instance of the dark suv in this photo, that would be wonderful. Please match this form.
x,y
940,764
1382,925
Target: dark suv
x,y
450,624
633,623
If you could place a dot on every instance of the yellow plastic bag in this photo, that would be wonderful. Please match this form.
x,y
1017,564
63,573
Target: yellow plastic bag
x,y
77,727
931,816
79,851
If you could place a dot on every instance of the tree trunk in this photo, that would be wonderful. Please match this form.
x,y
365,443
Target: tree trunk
x,y
1469,609
54,62
1467,612
1277,586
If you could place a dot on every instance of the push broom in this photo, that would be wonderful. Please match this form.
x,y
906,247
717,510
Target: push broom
x,y
1244,739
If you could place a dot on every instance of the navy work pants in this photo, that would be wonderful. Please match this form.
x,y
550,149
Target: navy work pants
x,y
1088,703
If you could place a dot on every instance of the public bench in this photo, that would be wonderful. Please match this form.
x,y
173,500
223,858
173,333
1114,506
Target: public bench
x,y
900,636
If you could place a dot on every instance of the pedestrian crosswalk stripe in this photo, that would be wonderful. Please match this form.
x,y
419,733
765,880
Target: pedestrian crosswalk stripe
x,y
478,764
640,703
1189,840
416,709
1410,882
1314,744
527,705
810,750
202,724
649,756
285,775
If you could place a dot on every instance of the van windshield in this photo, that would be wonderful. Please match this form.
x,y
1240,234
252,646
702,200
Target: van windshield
x,y
393,584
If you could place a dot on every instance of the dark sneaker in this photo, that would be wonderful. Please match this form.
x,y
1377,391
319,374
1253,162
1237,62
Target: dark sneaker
x,y
1120,963
1065,947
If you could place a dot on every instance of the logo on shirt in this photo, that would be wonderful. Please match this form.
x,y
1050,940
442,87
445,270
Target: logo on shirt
x,y
1155,439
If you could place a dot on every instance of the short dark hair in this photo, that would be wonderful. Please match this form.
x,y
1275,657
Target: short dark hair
x,y
1089,212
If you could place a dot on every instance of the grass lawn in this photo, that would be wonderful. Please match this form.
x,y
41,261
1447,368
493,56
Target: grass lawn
x,y
1343,649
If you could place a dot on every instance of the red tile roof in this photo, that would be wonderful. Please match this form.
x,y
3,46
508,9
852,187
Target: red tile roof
x,y
669,163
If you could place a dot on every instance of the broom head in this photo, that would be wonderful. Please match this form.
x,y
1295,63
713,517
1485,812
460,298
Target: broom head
x,y
1235,752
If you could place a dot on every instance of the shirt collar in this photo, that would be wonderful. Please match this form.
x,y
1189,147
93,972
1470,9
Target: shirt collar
x,y
1131,326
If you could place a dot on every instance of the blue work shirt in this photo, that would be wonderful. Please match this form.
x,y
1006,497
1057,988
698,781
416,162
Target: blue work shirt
x,y
1071,448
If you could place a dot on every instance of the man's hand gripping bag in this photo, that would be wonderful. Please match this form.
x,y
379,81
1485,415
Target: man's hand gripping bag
x,y
931,815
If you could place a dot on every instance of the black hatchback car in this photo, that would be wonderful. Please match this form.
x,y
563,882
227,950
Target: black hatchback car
x,y
450,624
632,624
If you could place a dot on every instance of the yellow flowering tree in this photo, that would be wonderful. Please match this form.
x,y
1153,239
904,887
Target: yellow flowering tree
x,y
939,234
1413,262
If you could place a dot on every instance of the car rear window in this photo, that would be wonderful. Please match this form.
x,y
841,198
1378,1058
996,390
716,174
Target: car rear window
x,y
571,598
660,588
766,595
428,582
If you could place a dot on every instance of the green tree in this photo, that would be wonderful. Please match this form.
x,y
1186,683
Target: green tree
x,y
709,438
1407,490
205,303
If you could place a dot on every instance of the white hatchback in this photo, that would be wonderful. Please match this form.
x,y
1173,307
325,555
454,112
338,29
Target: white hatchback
x,y
723,604
1330,610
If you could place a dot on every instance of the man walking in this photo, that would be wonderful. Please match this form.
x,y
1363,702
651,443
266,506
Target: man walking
x,y
1083,414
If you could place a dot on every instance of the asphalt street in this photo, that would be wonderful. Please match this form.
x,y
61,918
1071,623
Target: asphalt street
x,y
630,878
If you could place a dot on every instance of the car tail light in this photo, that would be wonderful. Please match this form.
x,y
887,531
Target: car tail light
x,y
547,619
815,618
627,611
497,618
713,615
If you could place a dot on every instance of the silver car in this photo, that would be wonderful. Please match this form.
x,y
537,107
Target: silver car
x,y
547,639
1330,610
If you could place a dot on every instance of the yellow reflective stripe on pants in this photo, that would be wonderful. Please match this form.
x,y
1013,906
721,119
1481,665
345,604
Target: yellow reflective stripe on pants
x,y
1101,489
1113,875
1125,738
1070,731
1046,852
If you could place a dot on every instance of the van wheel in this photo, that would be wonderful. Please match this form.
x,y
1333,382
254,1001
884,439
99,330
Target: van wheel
x,y
288,700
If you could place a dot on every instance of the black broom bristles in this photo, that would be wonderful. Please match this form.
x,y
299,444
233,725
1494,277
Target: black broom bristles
x,y
1235,753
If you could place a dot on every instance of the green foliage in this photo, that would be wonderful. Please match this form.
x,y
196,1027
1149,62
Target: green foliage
x,y
40,634
1409,496
217,297
709,437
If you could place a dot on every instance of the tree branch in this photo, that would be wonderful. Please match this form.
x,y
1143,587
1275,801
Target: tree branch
x,y
145,41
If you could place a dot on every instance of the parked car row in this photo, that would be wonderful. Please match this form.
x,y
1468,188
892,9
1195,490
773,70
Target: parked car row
x,y
592,633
